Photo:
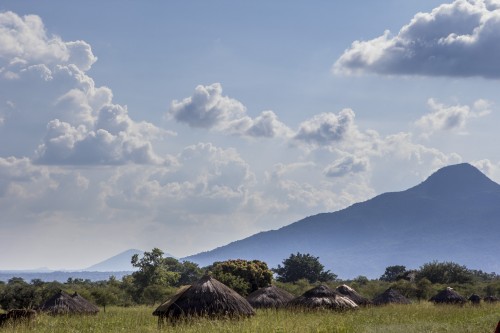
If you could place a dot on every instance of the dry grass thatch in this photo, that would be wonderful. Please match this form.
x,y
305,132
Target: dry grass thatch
x,y
389,296
89,307
269,297
491,299
353,295
448,296
62,303
475,299
324,298
208,298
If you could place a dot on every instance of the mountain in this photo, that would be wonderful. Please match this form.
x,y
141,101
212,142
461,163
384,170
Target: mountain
x,y
454,215
117,263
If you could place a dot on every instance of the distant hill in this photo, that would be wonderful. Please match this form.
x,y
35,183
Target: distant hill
x,y
454,215
119,262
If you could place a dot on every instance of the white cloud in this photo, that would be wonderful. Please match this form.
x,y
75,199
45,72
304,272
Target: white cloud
x,y
25,40
78,122
328,128
450,118
208,108
347,165
457,39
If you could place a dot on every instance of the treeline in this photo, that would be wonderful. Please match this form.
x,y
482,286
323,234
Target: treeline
x,y
157,277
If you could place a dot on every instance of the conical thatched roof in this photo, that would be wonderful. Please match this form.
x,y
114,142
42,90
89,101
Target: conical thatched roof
x,y
491,299
352,294
207,297
269,297
475,299
62,303
391,295
323,297
89,307
448,296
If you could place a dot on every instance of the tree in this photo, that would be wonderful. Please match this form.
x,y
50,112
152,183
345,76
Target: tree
x,y
18,294
154,269
104,296
244,276
424,289
393,273
445,273
303,266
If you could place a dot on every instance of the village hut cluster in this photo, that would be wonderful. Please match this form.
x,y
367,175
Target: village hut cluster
x,y
59,304
211,298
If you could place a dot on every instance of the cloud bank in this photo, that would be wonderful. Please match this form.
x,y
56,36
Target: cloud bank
x,y
460,39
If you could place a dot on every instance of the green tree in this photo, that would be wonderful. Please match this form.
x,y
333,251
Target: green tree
x,y
303,266
445,273
424,289
105,296
393,273
153,269
18,294
244,276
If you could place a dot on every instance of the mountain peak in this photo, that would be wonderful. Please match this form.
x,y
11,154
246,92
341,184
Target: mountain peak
x,y
456,179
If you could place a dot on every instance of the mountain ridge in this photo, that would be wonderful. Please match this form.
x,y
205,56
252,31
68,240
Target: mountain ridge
x,y
452,215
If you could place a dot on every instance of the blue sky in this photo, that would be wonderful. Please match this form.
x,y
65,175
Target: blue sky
x,y
187,125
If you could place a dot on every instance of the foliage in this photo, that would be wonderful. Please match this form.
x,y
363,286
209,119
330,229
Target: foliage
x,y
445,273
393,273
155,270
18,294
303,266
244,276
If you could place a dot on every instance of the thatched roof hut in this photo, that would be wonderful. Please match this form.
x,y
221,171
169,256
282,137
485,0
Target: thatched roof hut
x,y
352,294
323,297
269,297
390,296
89,307
208,298
491,299
448,296
62,303
475,299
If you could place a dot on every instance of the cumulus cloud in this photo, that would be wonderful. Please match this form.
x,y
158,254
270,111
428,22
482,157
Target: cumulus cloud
x,y
208,108
24,40
347,165
77,120
457,39
450,118
327,128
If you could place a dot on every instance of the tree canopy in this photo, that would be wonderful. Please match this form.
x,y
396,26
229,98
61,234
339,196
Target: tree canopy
x,y
244,276
303,266
393,273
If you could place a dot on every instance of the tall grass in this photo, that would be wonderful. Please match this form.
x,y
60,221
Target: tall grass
x,y
422,317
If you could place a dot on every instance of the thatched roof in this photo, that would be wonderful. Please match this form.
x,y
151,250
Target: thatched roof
x,y
62,303
475,299
207,297
352,294
89,307
323,297
389,296
269,297
491,299
448,296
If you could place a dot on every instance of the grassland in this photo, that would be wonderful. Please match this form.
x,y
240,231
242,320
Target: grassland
x,y
423,317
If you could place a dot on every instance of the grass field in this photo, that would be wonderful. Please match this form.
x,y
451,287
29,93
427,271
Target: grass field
x,y
423,317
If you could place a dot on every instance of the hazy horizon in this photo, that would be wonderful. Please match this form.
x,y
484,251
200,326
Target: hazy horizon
x,y
189,125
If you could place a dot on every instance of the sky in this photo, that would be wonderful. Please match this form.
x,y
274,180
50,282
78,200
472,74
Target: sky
x,y
186,125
